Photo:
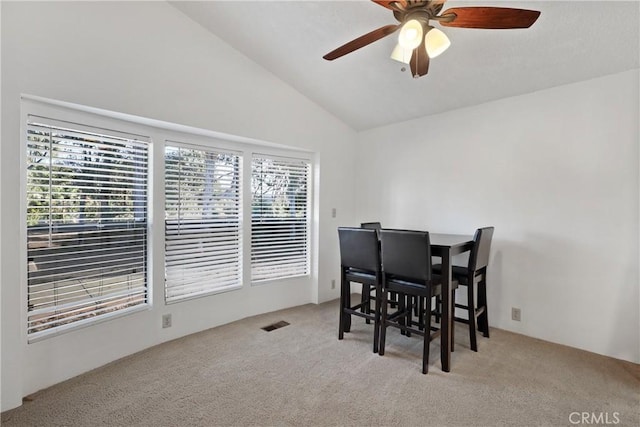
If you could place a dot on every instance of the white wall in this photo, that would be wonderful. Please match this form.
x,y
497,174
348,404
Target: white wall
x,y
149,60
556,172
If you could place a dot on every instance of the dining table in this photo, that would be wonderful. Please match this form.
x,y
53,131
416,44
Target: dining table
x,y
446,246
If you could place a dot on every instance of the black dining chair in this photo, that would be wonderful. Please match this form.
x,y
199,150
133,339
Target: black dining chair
x,y
366,292
378,226
406,265
360,263
474,274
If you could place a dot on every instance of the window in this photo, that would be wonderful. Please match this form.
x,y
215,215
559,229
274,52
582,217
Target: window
x,y
203,252
86,224
88,187
280,211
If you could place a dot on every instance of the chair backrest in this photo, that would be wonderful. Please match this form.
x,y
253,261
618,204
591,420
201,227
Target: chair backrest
x,y
371,225
406,254
479,257
359,248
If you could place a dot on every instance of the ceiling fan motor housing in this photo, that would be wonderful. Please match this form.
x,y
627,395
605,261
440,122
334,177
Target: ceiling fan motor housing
x,y
422,11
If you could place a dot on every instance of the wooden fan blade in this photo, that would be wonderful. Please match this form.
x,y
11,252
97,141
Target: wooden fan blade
x,y
361,42
419,61
438,2
389,4
488,17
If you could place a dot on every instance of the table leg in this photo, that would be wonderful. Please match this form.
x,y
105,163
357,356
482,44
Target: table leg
x,y
445,322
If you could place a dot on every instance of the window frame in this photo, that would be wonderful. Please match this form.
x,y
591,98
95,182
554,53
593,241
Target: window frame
x,y
294,157
80,120
241,209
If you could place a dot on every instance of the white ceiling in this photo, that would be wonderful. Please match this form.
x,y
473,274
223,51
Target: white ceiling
x,y
571,41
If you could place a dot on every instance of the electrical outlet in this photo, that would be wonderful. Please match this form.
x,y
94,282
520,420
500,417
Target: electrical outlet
x,y
333,283
333,212
515,314
166,320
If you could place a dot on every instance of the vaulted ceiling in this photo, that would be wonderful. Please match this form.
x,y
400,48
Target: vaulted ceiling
x,y
570,42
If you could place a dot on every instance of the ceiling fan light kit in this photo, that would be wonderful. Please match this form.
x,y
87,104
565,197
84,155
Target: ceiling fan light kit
x,y
410,36
436,42
401,55
419,41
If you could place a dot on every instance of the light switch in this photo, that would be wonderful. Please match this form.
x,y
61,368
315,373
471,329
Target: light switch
x,y
333,212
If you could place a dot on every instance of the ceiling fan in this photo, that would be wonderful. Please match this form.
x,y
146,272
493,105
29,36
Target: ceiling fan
x,y
419,41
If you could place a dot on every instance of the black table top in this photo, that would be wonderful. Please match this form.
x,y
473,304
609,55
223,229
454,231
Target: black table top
x,y
450,240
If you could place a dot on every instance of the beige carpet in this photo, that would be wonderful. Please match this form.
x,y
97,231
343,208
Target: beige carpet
x,y
301,375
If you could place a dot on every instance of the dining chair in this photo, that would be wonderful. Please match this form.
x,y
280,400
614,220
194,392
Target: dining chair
x,y
366,292
360,263
378,226
406,266
474,274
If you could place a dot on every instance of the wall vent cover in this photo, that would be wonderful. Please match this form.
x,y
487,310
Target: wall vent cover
x,y
275,326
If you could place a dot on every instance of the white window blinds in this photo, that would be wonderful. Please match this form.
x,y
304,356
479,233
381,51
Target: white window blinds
x,y
279,218
86,224
202,221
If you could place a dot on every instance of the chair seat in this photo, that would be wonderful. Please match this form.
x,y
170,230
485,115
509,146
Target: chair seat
x,y
458,272
436,287
361,276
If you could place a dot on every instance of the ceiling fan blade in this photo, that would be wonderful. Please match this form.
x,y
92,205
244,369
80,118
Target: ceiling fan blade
x,y
419,61
438,2
389,4
361,42
488,17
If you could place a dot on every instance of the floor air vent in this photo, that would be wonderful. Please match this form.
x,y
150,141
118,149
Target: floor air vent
x,y
275,326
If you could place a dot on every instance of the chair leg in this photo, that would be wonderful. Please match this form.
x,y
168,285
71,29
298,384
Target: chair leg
x,y
407,310
438,308
401,306
365,298
483,319
341,322
427,337
472,316
376,321
453,317
383,322
394,299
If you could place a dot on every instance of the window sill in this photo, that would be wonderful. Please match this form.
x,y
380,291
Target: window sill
x,y
81,324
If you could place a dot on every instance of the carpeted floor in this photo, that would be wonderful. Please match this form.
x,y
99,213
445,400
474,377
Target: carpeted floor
x,y
301,375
